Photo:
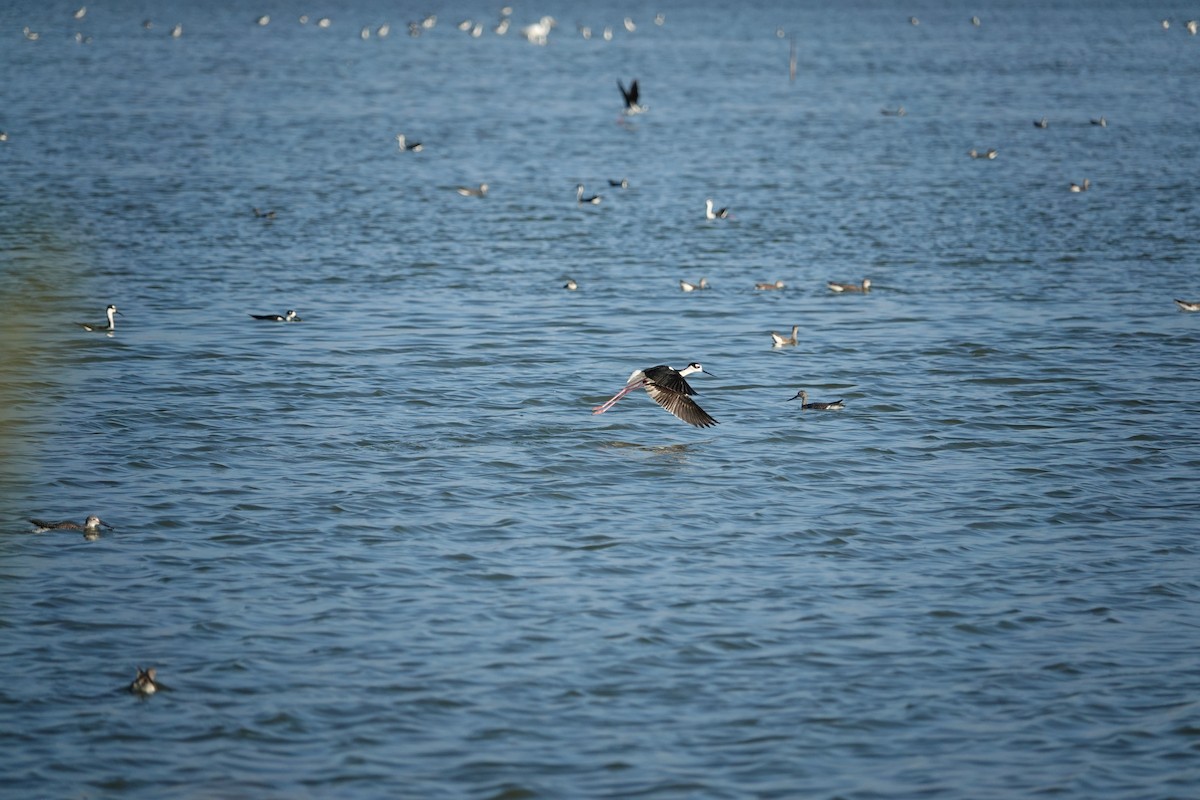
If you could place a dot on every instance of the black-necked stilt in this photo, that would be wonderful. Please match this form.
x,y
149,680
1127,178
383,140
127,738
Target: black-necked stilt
x,y
260,214
989,154
177,31
865,286
769,287
263,20
290,316
570,285
667,387
631,98
1102,122
90,525
1041,123
621,184
692,287
709,213
467,191
1184,305
1192,26
1081,187
81,12
406,146
898,112
579,198
836,405
102,327
779,340
3,136
145,683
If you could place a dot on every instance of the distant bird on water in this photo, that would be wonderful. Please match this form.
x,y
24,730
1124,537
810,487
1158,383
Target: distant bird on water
x,y
467,191
571,285
836,405
779,340
865,286
579,198
989,154
90,527
258,212
898,112
693,287
631,98
769,287
406,146
1184,305
1041,123
102,327
1081,187
1101,122
621,184
667,387
145,683
709,213
290,316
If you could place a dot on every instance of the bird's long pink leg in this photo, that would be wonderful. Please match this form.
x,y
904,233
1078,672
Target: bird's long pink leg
x,y
629,387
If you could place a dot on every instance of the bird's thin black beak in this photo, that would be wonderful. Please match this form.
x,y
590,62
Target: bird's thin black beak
x,y
706,372
793,397
106,525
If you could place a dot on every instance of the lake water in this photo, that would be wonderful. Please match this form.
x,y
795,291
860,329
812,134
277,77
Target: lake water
x,y
389,552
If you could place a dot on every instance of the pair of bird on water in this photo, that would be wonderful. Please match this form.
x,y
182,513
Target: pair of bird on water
x,y
669,388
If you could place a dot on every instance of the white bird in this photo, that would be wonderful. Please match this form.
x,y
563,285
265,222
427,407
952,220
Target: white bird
x,y
709,213
779,340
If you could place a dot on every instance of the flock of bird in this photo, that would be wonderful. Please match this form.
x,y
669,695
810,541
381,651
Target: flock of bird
x,y
666,386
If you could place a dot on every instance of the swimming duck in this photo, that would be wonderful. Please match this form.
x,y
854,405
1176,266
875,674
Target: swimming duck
x,y
779,340
101,327
692,287
406,146
769,287
709,213
865,286
836,405
467,191
145,683
290,316
579,198
1184,305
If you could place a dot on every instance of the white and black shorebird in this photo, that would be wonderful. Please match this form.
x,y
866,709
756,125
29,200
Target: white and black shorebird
x,y
1081,187
836,405
865,286
467,191
1101,122
631,98
667,387
621,184
709,213
146,682
779,340
90,527
407,146
571,285
769,287
101,327
579,198
989,154
1184,305
694,287
290,316
1041,123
